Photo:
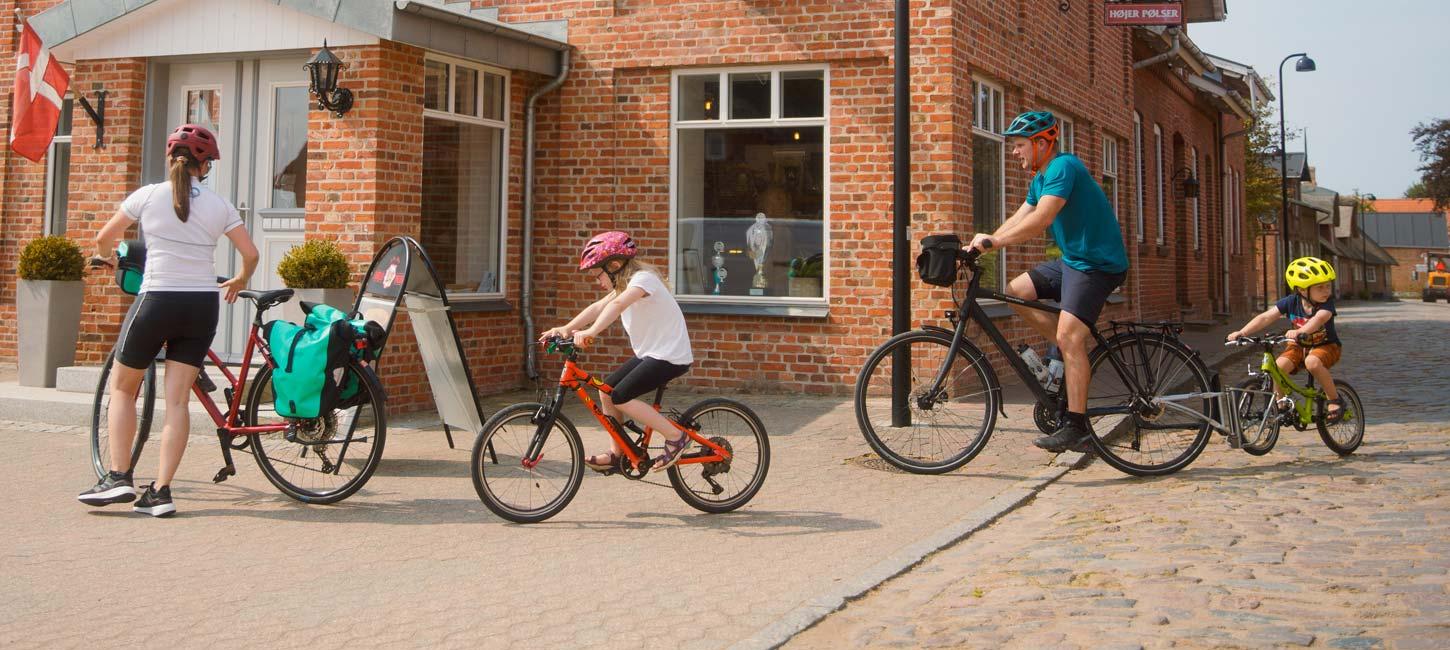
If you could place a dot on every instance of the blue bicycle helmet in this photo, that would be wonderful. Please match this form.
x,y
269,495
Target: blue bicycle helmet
x,y
1032,123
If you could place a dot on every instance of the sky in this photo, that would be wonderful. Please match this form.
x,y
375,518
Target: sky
x,y
1381,70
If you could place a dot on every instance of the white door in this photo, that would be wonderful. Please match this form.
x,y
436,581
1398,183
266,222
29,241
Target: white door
x,y
258,111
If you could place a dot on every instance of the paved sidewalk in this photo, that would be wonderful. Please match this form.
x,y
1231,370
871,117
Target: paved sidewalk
x,y
1296,548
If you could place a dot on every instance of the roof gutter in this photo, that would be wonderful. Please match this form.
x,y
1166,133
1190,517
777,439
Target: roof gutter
x,y
1195,58
480,24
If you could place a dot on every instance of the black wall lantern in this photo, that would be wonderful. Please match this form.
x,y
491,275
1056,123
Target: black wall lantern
x,y
323,69
1189,190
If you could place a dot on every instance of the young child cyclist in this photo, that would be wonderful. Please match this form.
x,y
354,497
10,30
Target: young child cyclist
x,y
636,295
1313,342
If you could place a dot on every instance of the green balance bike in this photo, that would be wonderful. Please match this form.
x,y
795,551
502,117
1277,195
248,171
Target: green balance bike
x,y
1259,414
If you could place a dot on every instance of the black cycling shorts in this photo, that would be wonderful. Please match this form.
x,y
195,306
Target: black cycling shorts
x,y
639,376
1080,293
182,322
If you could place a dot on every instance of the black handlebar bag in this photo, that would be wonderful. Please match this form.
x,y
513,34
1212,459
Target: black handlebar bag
x,y
937,262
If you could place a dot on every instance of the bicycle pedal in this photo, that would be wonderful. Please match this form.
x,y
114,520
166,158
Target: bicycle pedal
x,y
205,383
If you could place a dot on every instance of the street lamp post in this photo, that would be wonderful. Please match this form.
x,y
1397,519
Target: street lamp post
x,y
1363,255
1304,64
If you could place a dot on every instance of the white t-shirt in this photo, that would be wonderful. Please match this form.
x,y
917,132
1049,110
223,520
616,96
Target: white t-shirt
x,y
180,255
655,323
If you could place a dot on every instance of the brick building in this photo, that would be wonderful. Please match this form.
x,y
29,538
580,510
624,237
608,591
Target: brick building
x,y
676,121
1415,234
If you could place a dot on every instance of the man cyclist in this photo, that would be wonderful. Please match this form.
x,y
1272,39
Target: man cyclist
x,y
1064,199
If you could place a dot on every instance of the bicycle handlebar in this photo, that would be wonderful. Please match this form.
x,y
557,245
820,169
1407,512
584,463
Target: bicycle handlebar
x,y
1272,339
97,261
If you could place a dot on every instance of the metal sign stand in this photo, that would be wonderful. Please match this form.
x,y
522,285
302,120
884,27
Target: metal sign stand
x,y
402,276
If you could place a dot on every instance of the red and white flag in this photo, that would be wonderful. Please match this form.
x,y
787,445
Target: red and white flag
x,y
40,83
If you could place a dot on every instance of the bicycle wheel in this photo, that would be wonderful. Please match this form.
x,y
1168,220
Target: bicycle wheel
x,y
100,410
727,485
514,490
1347,434
1149,441
326,459
1257,415
942,432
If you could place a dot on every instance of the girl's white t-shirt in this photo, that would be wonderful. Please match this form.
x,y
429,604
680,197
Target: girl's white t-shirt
x,y
655,323
180,255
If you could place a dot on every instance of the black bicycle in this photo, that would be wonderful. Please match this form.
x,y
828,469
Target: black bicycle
x,y
927,400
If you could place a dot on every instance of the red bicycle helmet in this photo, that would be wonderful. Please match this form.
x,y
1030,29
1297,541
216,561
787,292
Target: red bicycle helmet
x,y
606,246
196,139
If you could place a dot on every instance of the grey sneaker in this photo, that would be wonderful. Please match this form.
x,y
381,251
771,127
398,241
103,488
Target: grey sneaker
x,y
114,488
156,503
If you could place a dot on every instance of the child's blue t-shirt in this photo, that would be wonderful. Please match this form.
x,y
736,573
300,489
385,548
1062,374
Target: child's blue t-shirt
x,y
1292,307
1086,229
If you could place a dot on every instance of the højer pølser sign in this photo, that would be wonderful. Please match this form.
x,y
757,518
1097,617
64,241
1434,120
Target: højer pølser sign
x,y
1134,14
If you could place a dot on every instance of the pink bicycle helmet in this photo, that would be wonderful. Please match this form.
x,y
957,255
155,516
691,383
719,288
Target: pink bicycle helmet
x,y
196,139
606,246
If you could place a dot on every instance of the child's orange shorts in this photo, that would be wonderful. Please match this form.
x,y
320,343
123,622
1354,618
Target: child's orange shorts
x,y
1327,354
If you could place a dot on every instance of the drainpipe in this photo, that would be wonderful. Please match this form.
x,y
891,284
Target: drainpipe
x,y
1172,52
526,299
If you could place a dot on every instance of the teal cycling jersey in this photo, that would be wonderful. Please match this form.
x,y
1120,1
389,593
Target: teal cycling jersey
x,y
1086,229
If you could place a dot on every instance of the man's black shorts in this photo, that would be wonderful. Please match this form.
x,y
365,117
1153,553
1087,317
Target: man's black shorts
x,y
639,376
1080,293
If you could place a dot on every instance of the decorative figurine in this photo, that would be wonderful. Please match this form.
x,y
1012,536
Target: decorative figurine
x,y
719,262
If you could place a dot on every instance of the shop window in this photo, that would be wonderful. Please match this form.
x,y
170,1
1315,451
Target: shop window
x,y
749,218
989,175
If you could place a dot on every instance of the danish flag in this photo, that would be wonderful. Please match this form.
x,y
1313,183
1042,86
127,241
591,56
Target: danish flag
x,y
40,83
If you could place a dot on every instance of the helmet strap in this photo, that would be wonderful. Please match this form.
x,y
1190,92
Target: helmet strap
x,y
1040,160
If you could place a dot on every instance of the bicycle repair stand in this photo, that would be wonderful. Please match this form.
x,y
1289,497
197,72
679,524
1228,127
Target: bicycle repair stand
x,y
403,277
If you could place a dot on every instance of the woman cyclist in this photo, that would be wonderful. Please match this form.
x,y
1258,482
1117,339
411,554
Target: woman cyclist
x,y
176,309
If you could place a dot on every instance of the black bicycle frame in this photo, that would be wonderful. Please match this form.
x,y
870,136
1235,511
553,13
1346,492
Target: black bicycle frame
x,y
973,312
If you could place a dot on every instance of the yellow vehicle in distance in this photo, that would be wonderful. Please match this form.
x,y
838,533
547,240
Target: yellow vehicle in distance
x,y
1437,279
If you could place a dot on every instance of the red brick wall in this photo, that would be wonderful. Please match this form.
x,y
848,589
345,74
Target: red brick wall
x,y
604,149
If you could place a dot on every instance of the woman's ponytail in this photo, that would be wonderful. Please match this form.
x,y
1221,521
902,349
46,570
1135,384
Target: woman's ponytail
x,y
179,173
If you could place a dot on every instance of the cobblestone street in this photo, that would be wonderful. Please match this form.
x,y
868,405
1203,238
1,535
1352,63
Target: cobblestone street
x,y
1296,548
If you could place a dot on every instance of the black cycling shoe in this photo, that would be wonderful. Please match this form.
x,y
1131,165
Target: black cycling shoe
x,y
1071,435
114,488
156,503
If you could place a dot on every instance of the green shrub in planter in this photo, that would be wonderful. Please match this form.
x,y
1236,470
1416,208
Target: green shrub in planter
x,y
316,264
52,258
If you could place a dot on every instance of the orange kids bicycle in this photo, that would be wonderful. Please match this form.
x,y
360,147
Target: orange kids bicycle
x,y
528,461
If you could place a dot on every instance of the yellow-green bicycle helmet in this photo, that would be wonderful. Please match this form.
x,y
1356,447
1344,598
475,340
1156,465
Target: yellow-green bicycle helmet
x,y
1306,272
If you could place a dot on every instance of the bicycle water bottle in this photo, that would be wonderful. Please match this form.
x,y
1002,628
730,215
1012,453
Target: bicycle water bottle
x,y
1034,363
1054,375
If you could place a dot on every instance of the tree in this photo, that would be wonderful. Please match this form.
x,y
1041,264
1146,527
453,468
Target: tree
x,y
1432,140
1261,178
1417,191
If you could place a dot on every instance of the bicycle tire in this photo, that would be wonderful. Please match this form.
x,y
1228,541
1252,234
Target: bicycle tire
x,y
501,438
907,455
274,451
1149,369
693,490
1354,418
100,434
1253,408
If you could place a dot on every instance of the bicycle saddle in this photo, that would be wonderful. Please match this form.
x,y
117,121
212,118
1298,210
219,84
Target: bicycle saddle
x,y
267,299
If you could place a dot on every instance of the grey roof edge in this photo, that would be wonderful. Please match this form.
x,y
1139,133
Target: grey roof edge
x,y
1231,99
1245,71
553,34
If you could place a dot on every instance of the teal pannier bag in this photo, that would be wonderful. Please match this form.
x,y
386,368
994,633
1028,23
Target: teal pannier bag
x,y
310,376
130,265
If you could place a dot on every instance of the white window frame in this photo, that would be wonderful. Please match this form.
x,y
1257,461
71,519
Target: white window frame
x,y
1158,152
1110,170
775,120
1197,238
992,128
1067,136
50,172
1369,273
1238,211
1141,182
504,158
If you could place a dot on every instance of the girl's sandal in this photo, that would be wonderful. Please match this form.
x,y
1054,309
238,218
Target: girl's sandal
x,y
674,449
593,463
1334,415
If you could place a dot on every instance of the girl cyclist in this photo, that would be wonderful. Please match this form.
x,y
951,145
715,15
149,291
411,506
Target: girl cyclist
x,y
656,326
181,221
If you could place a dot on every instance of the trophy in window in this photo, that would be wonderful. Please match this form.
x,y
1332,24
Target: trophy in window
x,y
758,238
719,261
